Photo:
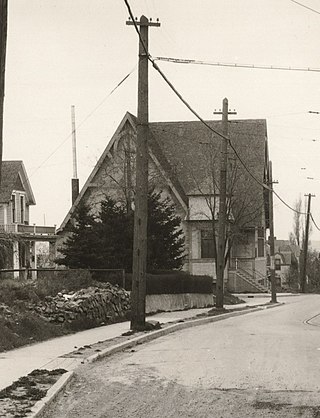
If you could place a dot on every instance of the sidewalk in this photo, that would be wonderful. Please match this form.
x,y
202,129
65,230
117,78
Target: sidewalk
x,y
50,354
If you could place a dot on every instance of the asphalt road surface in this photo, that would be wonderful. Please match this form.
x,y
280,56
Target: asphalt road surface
x,y
263,364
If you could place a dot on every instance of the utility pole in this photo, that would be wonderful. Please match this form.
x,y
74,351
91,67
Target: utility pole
x,y
222,205
74,180
305,247
138,294
271,240
3,48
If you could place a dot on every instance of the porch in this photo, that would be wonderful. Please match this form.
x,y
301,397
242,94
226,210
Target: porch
x,y
24,252
248,275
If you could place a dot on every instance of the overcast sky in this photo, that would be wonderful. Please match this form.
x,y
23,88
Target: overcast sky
x,y
74,52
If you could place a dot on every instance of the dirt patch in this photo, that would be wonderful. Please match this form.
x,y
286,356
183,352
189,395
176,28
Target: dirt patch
x,y
17,399
104,391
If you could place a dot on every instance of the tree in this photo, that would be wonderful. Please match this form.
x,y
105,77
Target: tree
x,y
106,241
79,249
296,237
114,231
165,238
245,202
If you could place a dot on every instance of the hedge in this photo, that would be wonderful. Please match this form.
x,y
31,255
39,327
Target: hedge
x,y
164,282
174,283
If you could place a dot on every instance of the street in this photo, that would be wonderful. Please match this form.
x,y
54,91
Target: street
x,y
263,364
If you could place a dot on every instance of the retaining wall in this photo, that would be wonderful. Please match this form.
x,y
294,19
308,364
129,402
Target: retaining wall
x,y
177,302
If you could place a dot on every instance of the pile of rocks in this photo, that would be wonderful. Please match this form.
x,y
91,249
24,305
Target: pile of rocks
x,y
101,305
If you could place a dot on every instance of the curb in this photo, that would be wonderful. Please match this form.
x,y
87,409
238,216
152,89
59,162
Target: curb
x,y
51,395
170,329
54,391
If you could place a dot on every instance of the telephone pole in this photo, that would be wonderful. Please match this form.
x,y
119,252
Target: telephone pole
x,y
3,48
222,205
271,229
138,293
305,247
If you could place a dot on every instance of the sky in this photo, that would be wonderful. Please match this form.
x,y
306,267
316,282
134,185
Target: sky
x,y
74,52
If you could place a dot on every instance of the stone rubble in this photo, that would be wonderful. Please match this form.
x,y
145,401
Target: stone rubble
x,y
102,305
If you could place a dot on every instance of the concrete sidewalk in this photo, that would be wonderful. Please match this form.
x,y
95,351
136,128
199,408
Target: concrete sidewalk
x,y
49,354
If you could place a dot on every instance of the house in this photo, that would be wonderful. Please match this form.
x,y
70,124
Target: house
x,y
184,165
16,198
286,256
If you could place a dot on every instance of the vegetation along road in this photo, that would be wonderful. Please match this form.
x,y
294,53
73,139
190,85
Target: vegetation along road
x,y
263,364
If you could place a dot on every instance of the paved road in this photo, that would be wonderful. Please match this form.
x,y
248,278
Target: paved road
x,y
264,364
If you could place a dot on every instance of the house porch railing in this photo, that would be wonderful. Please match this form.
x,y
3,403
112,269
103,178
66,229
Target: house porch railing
x,y
247,266
28,229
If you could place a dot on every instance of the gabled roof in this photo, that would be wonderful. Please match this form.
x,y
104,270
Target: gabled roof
x,y
14,177
286,247
185,147
180,150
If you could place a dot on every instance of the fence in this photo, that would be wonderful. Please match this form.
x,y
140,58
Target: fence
x,y
113,276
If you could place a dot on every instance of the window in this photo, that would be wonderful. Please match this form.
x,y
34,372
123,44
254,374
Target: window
x,y
22,209
277,264
207,244
260,242
13,208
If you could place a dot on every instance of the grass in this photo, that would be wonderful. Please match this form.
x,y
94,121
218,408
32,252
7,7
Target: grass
x,y
20,325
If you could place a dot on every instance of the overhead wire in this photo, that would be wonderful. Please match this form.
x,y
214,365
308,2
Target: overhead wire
x,y
314,222
306,7
85,119
156,67
234,65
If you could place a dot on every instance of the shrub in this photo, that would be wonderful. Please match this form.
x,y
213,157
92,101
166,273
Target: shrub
x,y
51,282
14,290
114,277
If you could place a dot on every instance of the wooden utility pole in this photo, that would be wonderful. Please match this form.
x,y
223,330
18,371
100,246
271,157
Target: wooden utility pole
x,y
74,180
3,48
271,228
222,205
305,247
138,294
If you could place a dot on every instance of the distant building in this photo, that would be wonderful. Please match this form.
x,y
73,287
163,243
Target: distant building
x,y
184,160
16,198
286,256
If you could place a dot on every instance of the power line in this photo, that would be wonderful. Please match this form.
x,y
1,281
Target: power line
x,y
235,65
314,222
306,7
156,67
84,120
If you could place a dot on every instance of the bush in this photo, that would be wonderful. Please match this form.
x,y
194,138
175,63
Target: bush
x,y
175,282
14,290
51,282
114,277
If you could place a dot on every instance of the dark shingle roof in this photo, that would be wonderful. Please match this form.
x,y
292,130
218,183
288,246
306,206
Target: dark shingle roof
x,y
13,177
185,146
192,151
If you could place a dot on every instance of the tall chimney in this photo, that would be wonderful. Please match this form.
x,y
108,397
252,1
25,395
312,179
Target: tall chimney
x,y
74,180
